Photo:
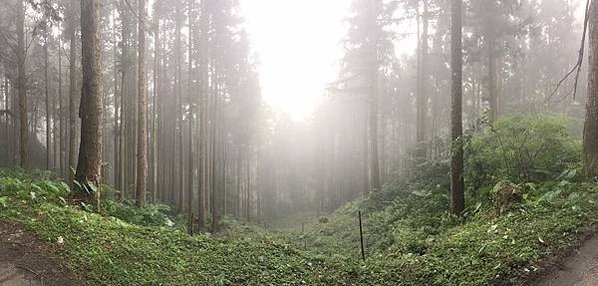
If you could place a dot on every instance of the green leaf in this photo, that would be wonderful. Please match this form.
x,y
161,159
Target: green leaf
x,y
92,187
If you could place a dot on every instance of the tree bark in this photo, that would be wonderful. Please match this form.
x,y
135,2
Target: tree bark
x,y
178,164
374,99
72,96
22,87
422,97
116,161
214,195
124,127
190,118
590,138
248,182
457,196
47,103
61,110
157,87
89,167
203,127
492,66
142,113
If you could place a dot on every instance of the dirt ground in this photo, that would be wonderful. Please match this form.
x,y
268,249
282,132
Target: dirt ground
x,y
25,261
579,269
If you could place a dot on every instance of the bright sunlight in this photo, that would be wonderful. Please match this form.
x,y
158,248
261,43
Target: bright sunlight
x,y
298,55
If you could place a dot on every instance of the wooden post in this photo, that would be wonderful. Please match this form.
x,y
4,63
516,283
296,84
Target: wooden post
x,y
361,237
303,235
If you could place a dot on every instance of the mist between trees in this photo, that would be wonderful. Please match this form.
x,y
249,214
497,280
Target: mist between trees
x,y
162,99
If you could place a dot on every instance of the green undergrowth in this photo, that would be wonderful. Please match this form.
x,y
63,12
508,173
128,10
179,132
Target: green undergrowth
x,y
106,250
439,249
516,216
482,249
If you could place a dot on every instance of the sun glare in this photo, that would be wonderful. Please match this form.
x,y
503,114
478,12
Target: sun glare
x,y
298,55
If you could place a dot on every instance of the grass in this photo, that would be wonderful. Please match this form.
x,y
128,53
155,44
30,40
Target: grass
x,y
409,245
411,240
109,251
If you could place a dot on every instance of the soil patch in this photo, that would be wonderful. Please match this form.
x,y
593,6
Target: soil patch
x,y
26,261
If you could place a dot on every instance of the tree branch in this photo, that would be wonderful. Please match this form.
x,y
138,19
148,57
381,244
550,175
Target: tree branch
x,y
577,67
6,112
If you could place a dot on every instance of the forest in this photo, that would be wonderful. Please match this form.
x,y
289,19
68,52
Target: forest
x,y
298,142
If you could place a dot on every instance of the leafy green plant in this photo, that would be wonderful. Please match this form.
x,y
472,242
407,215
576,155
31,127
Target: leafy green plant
x,y
151,215
410,238
34,189
521,148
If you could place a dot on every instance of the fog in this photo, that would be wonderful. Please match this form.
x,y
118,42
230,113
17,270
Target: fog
x,y
261,109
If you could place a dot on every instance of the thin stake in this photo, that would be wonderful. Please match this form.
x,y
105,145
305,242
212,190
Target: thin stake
x,y
303,234
361,237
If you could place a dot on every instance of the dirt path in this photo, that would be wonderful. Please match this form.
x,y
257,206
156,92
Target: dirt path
x,y
25,261
581,269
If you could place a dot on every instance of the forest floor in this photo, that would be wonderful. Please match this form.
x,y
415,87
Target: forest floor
x,y
481,249
26,261
513,232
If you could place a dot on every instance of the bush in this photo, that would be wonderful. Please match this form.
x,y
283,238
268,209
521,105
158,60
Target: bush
x,y
521,148
37,188
151,215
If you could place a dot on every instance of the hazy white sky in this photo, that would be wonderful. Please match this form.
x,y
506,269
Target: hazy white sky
x,y
298,54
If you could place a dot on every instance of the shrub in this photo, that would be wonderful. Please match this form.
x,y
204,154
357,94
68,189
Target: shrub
x,y
126,210
521,148
38,188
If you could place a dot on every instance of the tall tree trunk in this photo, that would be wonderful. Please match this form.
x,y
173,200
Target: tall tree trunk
x,y
374,100
61,109
22,86
203,127
590,138
492,64
47,103
14,135
142,112
55,115
224,165
116,154
457,196
214,196
492,81
125,113
89,167
248,178
422,96
258,204
73,86
157,86
178,163
35,116
133,105
190,118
